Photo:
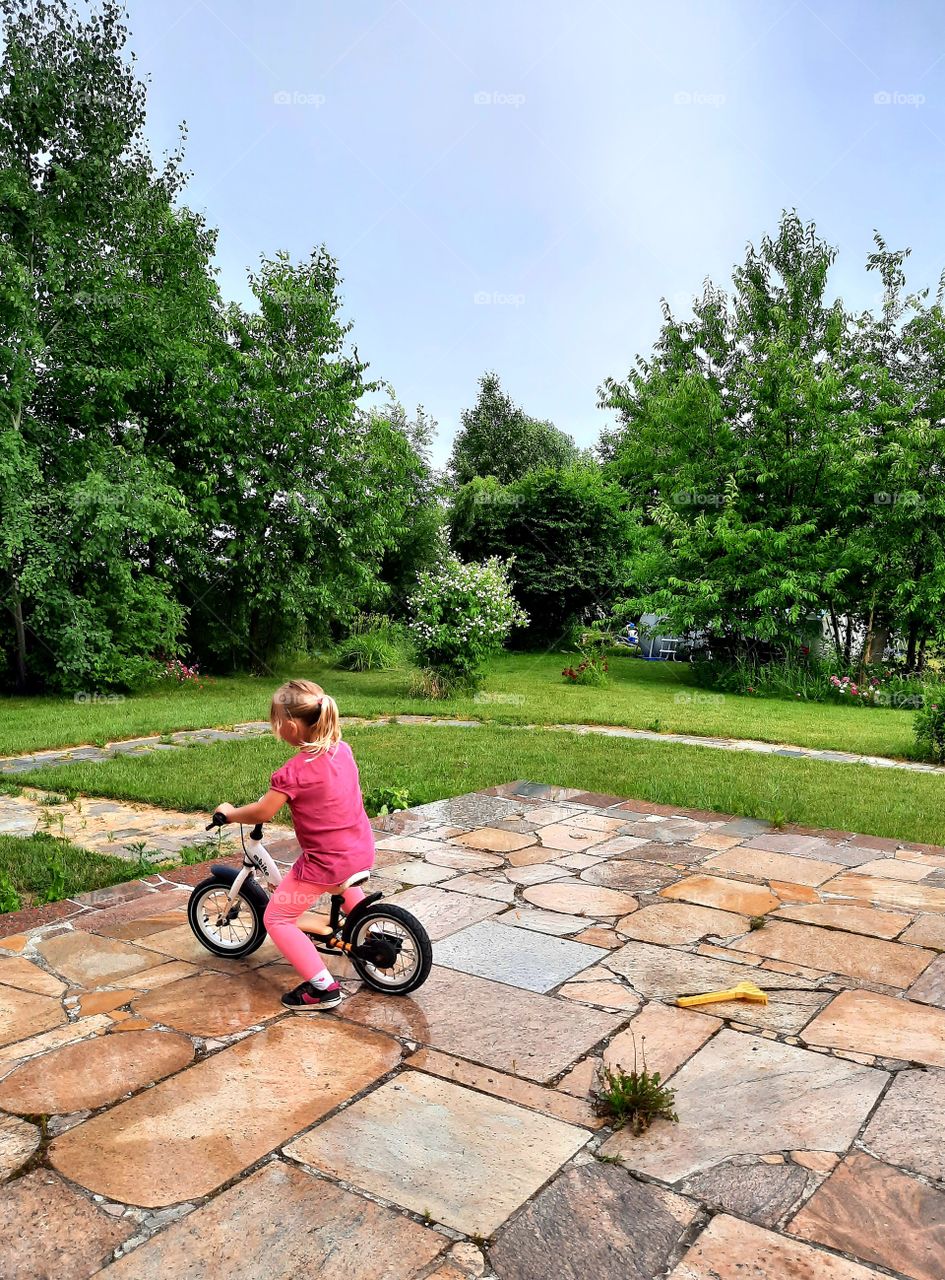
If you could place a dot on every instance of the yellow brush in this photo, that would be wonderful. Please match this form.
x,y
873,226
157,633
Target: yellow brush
x,y
744,991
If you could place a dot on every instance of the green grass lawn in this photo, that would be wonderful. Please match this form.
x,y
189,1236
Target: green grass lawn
x,y
520,689
433,763
43,868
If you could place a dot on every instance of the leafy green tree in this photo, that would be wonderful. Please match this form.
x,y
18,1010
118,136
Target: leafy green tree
x,y
293,520
99,280
413,504
734,447
566,533
497,438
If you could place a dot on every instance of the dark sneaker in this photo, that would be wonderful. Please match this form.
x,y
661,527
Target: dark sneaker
x,y
308,999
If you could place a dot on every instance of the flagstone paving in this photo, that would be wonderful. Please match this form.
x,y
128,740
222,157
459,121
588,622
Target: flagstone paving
x,y
452,1134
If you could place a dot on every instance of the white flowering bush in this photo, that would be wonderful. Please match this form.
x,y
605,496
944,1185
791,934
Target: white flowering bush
x,y
460,614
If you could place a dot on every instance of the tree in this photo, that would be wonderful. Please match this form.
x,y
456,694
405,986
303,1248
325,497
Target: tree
x,y
738,445
293,522
413,507
565,532
497,438
103,284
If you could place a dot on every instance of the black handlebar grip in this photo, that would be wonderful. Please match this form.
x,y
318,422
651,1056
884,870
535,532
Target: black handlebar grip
x,y
218,820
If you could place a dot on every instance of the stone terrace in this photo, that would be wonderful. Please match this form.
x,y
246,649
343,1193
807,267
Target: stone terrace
x,y
161,1117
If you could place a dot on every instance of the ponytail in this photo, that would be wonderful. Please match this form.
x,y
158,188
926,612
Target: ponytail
x,y
307,702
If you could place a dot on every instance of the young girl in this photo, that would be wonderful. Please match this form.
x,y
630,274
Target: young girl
x,y
322,788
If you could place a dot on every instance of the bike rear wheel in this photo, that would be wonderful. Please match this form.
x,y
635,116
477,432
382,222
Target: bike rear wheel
x,y
237,931
395,950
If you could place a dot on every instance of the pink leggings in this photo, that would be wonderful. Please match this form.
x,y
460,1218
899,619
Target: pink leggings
x,y
290,900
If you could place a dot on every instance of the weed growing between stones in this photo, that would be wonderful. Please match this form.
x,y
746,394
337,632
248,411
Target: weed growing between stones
x,y
635,1098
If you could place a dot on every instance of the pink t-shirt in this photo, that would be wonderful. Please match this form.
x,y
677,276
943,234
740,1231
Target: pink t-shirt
x,y
324,795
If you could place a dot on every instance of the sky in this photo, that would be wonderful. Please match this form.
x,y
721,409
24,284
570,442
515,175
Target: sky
x,y
515,184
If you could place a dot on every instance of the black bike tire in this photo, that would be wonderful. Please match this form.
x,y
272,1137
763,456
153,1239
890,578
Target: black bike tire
x,y
257,937
424,947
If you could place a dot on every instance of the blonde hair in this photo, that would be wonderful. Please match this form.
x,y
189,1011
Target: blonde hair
x,y
307,702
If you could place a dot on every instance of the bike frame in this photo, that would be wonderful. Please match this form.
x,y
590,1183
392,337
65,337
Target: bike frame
x,y
257,857
255,854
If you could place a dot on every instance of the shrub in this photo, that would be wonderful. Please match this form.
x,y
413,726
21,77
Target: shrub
x,y
593,667
382,800
9,898
929,726
460,615
367,651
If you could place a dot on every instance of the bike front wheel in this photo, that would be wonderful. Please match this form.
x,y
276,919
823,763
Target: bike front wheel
x,y
391,950
235,931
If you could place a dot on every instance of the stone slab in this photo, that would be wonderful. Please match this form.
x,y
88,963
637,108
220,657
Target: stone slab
x,y
730,1249
606,994
574,898
661,1037
543,921
495,840
671,923
92,961
593,1221
927,931
517,1031
930,987
867,1022
906,1128
16,971
727,895
833,951
90,1073
896,895
48,1230
568,839
763,1193
878,1214
213,1004
188,1135
740,1096
768,865
662,974
24,1014
284,1223
520,958
465,1159
633,876
523,1093
854,919
18,1141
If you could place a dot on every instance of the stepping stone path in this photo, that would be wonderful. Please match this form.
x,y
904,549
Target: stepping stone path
x,y
452,1134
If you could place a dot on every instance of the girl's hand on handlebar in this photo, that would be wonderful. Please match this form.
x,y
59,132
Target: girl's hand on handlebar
x,y
221,815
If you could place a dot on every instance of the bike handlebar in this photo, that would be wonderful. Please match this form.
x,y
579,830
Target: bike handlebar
x,y
220,820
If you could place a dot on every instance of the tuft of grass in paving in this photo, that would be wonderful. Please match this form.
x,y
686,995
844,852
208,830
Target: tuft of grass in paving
x,y
432,763
520,688
43,868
